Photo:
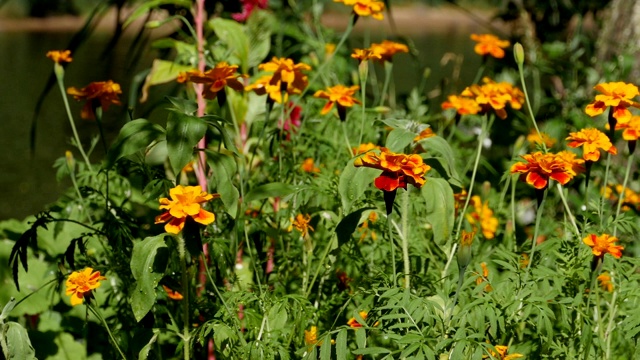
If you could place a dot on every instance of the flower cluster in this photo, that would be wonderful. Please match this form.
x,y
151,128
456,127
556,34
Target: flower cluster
x,y
629,199
495,96
489,45
184,202
462,105
80,284
538,168
99,93
483,215
398,170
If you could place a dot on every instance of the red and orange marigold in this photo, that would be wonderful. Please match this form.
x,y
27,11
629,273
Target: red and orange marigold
x,y
98,93
340,94
215,79
183,202
538,168
398,170
386,49
603,244
80,284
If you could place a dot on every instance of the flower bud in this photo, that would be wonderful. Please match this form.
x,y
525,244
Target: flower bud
x,y
464,252
518,52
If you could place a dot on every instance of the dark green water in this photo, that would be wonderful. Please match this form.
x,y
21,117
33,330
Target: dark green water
x,y
27,180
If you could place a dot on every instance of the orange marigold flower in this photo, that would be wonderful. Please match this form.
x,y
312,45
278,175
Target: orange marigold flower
x,y
364,55
618,96
493,95
424,134
463,105
60,56
539,168
354,323
311,336
371,8
483,215
605,281
386,49
631,130
489,45
630,198
524,260
534,138
301,223
363,148
99,93
80,283
605,243
308,165
592,140
397,169
286,77
502,353
184,202
172,294
215,79
571,158
338,94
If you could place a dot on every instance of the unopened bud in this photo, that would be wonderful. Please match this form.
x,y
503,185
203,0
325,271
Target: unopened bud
x,y
70,161
153,24
464,251
518,52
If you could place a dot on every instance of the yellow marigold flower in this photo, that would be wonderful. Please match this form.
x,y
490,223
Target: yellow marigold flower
x,y
363,148
386,49
631,130
172,294
364,55
308,165
618,96
483,215
571,158
371,8
338,94
605,281
99,93
80,283
424,134
184,202
286,77
605,243
354,323
502,353
489,45
463,105
60,56
397,169
301,223
311,336
534,138
539,168
492,95
592,140
630,197
329,49
215,79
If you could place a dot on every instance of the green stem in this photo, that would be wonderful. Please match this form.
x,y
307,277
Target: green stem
x,y
611,323
343,124
104,323
59,71
481,137
186,331
392,249
568,210
72,176
621,196
536,232
363,93
320,266
604,184
405,238
526,95
388,67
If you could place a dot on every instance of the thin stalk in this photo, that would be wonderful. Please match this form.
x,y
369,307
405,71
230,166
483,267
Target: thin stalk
x,y
392,249
611,323
624,189
481,137
199,18
59,71
536,232
264,128
104,323
568,209
388,68
363,93
186,331
346,138
531,115
602,199
405,238
72,176
105,148
321,264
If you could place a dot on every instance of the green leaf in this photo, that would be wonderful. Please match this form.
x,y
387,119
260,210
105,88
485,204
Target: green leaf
x,y
233,35
361,338
399,139
325,349
185,106
224,133
276,189
16,344
162,71
354,181
224,170
134,136
148,265
349,224
341,344
371,351
183,133
259,28
440,146
440,207
144,352
151,4
7,309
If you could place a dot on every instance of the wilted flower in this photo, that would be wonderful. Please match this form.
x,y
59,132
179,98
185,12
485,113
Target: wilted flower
x,y
592,140
60,56
397,169
618,96
386,49
489,45
502,353
539,168
99,93
605,243
484,215
80,284
301,223
371,8
184,202
216,79
172,294
605,281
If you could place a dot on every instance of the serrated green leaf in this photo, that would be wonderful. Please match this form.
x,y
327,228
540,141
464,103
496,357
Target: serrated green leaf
x,y
134,136
353,182
341,344
440,208
325,349
276,189
183,133
148,264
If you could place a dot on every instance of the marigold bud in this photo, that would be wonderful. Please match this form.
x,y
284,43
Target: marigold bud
x,y
518,53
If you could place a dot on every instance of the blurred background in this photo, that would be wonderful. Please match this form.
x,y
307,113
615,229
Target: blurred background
x,y
572,44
